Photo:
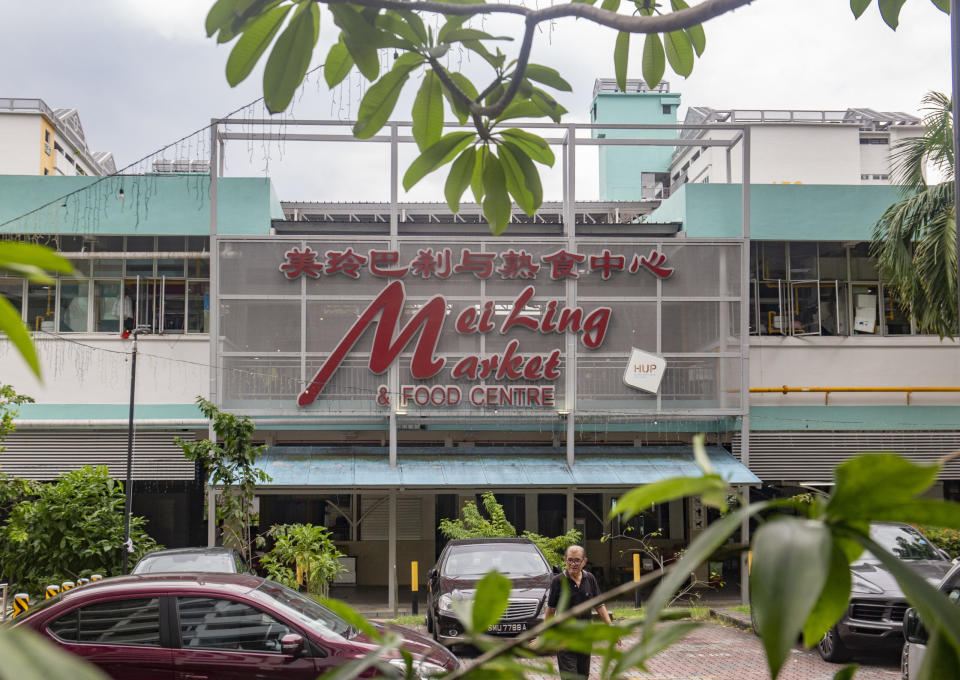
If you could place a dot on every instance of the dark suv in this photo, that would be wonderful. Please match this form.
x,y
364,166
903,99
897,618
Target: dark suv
x,y
464,562
874,619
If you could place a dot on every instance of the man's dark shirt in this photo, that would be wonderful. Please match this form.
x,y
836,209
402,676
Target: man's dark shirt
x,y
587,590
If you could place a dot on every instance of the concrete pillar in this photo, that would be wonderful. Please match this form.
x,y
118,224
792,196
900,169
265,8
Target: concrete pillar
x,y
211,516
531,519
569,509
392,553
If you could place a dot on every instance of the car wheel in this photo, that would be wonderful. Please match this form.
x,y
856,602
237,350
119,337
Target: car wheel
x,y
831,648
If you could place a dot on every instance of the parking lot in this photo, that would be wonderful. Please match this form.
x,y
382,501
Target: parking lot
x,y
724,652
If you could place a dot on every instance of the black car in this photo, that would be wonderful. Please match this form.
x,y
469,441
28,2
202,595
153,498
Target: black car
x,y
213,560
873,621
464,562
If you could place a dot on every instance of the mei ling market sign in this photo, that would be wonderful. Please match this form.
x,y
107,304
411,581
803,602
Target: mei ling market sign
x,y
499,372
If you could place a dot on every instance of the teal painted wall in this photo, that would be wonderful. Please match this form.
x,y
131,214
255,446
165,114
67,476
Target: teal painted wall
x,y
800,212
620,166
161,205
856,418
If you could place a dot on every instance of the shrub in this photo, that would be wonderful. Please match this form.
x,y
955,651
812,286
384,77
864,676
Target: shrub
x,y
302,554
945,539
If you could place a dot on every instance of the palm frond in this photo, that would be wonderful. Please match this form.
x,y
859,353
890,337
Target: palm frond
x,y
910,157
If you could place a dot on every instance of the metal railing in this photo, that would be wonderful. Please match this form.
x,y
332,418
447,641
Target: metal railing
x,y
827,390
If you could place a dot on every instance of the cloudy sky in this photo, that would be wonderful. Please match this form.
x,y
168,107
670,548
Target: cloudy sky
x,y
142,74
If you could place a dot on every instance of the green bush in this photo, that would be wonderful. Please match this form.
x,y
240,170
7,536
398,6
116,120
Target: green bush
x,y
475,525
302,554
71,527
945,539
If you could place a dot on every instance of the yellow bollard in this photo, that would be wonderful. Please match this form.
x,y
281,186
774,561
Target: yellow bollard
x,y
68,585
636,577
82,582
96,577
414,586
52,591
21,603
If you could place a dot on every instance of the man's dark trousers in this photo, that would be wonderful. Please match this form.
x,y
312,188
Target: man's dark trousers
x,y
573,663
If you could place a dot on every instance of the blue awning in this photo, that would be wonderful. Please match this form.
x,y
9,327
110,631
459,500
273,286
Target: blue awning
x,y
496,467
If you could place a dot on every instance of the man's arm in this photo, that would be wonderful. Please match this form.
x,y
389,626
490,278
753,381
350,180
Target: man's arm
x,y
602,611
549,612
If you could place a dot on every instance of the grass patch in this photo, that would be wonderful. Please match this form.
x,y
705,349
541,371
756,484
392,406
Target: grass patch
x,y
700,613
627,613
408,620
742,608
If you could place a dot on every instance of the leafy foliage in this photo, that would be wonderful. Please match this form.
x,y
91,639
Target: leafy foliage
x,y
31,262
495,525
9,400
67,528
915,239
945,539
231,466
302,554
27,656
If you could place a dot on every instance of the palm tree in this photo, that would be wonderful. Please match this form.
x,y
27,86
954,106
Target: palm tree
x,y
915,239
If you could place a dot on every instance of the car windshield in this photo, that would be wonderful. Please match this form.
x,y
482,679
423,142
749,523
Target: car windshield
x,y
305,610
516,559
904,542
221,563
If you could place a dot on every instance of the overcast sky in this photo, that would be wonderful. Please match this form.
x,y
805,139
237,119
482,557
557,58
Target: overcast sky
x,y
142,74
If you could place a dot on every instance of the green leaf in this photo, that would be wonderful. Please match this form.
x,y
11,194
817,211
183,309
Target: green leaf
x,y
14,253
679,52
219,15
459,108
436,155
890,11
531,176
833,599
27,656
846,673
452,23
548,76
521,108
353,617
534,146
697,37
700,455
547,104
516,183
338,64
922,511
476,180
360,38
697,552
930,603
640,498
459,178
621,53
490,601
858,7
416,23
942,5
464,34
428,111
392,21
791,560
496,200
379,101
610,5
871,482
495,61
651,645
12,325
290,57
252,44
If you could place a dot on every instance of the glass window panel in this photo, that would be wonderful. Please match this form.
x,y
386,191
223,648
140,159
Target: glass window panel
x,y
170,244
862,266
74,301
173,267
212,623
262,382
696,327
108,244
833,261
436,253
108,307
198,268
530,340
104,268
174,306
121,622
865,306
12,289
805,309
803,261
545,285
140,244
69,244
771,301
67,626
702,270
772,260
41,305
895,318
260,325
833,308
619,284
81,268
139,268
198,306
254,268
198,244
631,324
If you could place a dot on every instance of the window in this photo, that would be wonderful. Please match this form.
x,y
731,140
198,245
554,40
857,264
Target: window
x,y
74,303
875,140
118,622
667,109
46,136
213,623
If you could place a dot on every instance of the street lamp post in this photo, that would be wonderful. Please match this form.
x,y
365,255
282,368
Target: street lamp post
x,y
955,101
127,543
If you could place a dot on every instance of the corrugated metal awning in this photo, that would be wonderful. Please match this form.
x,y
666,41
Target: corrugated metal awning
x,y
495,467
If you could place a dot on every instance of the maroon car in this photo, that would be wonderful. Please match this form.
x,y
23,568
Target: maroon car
x,y
222,626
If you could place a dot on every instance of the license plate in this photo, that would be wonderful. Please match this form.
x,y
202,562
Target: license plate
x,y
507,628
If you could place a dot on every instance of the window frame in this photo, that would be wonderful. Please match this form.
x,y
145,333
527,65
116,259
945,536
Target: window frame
x,y
176,630
162,622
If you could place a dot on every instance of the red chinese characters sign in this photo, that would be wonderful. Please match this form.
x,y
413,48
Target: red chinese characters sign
x,y
511,365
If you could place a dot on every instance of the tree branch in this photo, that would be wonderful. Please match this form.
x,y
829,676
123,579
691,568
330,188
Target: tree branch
x,y
665,23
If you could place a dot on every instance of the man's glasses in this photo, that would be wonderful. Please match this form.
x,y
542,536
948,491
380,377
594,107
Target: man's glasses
x,y
573,560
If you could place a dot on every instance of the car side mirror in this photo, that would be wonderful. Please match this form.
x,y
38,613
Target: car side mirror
x,y
291,644
913,629
432,573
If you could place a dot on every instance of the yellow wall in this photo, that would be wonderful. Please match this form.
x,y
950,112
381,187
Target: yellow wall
x,y
47,161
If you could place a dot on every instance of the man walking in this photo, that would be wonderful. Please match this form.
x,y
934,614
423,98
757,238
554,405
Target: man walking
x,y
583,586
